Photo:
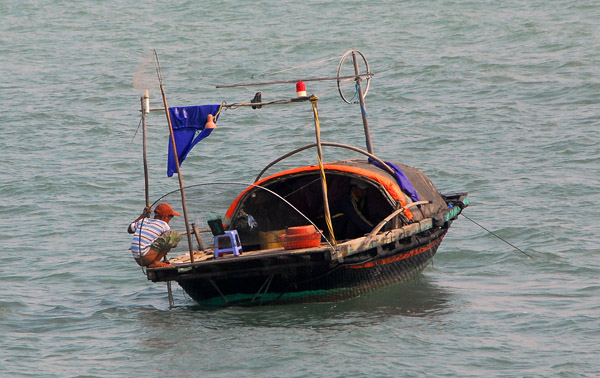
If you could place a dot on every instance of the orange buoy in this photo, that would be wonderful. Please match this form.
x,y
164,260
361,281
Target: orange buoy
x,y
210,123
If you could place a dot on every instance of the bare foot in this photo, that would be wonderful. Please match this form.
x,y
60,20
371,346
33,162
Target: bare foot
x,y
159,264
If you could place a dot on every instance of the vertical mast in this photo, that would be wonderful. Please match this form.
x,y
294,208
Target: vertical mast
x,y
361,98
145,110
145,100
183,201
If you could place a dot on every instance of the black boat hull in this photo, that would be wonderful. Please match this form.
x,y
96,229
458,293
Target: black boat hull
x,y
312,278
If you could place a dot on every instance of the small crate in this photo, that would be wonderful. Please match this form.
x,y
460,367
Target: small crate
x,y
270,239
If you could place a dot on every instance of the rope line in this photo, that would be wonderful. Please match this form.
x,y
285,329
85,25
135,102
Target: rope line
x,y
504,240
355,95
313,101
363,110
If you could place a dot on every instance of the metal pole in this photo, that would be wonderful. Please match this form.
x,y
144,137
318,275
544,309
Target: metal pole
x,y
145,110
362,104
349,77
170,293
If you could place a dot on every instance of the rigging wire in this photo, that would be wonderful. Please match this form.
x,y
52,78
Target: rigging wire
x,y
157,67
301,66
251,185
136,130
302,187
494,234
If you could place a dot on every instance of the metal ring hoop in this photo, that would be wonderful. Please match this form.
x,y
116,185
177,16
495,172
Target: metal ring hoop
x,y
366,89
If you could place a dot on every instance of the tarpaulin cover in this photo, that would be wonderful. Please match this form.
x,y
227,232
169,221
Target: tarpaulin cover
x,y
186,120
403,181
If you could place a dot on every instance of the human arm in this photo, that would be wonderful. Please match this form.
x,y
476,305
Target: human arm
x,y
145,213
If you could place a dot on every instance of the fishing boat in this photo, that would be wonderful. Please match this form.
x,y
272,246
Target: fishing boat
x,y
322,232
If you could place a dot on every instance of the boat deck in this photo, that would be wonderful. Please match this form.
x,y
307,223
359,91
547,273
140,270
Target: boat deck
x,y
207,266
343,249
277,260
208,255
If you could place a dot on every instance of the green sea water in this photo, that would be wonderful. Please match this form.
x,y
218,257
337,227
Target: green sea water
x,y
499,99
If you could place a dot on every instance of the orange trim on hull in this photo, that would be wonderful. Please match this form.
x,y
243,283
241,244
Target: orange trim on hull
x,y
388,260
390,185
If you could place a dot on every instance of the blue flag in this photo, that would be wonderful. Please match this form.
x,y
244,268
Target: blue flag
x,y
186,120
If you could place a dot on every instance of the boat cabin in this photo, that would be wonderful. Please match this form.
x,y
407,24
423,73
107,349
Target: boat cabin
x,y
295,198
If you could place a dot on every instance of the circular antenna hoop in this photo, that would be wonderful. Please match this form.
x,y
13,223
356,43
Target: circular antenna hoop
x,y
339,70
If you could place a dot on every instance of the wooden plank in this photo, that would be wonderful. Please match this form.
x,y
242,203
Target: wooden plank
x,y
360,244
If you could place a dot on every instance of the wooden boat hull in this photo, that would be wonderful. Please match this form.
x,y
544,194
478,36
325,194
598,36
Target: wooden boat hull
x,y
406,236
305,276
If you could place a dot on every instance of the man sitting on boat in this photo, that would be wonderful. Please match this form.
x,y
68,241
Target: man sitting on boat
x,y
350,213
153,238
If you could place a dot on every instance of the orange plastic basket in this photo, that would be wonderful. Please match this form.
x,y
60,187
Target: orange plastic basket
x,y
301,241
299,230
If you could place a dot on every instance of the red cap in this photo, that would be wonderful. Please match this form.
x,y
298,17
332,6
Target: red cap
x,y
165,209
300,86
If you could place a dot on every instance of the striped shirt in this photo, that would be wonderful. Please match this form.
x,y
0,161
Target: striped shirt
x,y
146,231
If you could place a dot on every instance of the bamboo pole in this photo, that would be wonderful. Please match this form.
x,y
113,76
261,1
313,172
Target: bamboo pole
x,y
183,204
183,200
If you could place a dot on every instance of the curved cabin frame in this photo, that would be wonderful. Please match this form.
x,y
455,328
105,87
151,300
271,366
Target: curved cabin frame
x,y
301,188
